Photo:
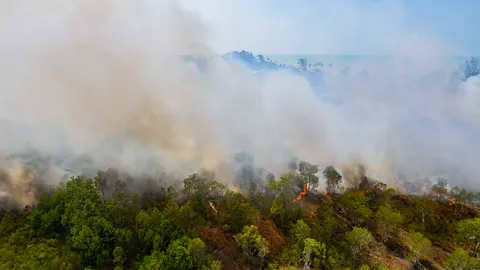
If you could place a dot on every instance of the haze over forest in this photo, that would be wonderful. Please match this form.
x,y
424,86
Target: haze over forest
x,y
130,139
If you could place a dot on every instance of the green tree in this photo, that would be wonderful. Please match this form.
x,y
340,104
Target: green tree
x,y
419,247
461,260
283,210
460,196
356,206
333,179
179,255
119,256
440,189
387,222
236,212
468,233
199,187
172,194
38,254
183,253
255,248
359,240
328,222
189,218
7,225
155,261
314,254
425,207
300,231
157,229
277,211
383,195
283,186
308,175
91,234
101,181
337,258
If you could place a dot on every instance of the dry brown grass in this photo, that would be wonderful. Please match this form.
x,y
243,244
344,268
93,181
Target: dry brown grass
x,y
270,231
223,247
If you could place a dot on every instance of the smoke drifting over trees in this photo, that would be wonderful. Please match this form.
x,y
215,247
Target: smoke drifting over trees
x,y
90,85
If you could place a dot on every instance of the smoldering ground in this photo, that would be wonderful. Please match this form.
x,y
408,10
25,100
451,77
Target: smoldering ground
x,y
89,85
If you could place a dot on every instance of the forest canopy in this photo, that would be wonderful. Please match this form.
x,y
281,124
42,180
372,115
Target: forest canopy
x,y
96,223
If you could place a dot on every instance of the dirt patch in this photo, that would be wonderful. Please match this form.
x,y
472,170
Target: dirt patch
x,y
381,255
309,205
436,256
269,230
223,247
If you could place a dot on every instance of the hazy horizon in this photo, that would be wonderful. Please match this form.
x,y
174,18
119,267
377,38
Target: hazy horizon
x,y
356,57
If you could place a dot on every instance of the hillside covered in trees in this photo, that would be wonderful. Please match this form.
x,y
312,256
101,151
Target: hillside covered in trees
x,y
127,141
265,221
270,222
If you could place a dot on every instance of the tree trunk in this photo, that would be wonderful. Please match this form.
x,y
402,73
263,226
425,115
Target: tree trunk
x,y
476,247
306,264
423,218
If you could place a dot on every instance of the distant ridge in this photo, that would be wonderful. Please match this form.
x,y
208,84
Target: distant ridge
x,y
312,66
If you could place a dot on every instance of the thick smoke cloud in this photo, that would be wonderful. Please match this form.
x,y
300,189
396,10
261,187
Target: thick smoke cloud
x,y
89,85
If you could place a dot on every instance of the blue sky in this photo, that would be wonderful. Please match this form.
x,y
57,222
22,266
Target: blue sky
x,y
341,26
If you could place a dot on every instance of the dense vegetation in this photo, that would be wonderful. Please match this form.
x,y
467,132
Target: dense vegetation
x,y
271,222
96,223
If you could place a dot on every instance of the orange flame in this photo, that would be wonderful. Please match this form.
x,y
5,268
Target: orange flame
x,y
452,202
262,194
325,193
300,195
405,199
213,207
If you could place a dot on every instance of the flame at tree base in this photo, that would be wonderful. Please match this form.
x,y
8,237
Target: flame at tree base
x,y
300,195
213,207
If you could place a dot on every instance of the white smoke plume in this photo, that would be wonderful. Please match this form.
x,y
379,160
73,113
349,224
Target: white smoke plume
x,y
88,85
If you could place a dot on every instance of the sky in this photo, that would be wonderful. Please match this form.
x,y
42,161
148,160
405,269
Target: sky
x,y
338,26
